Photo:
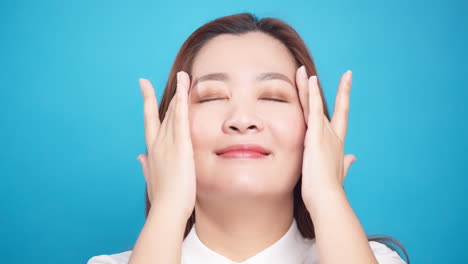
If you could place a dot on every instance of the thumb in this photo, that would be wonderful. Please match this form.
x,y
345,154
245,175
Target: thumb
x,y
348,160
143,159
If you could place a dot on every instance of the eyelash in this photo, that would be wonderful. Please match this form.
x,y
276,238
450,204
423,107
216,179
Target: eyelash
x,y
269,99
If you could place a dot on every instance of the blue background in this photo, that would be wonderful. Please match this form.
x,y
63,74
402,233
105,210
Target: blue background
x,y
72,121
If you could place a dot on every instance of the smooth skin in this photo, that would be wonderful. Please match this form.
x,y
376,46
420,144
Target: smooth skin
x,y
336,225
238,198
170,154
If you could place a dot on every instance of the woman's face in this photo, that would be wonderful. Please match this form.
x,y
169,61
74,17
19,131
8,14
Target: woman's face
x,y
243,113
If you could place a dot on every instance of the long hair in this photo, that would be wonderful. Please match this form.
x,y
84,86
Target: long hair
x,y
239,24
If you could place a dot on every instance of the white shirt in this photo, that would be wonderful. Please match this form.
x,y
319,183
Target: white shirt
x,y
291,248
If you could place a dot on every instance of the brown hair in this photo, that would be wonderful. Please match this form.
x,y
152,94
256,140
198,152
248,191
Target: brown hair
x,y
239,24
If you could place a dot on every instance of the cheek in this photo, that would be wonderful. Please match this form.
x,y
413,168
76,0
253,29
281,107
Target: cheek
x,y
204,125
288,128
288,131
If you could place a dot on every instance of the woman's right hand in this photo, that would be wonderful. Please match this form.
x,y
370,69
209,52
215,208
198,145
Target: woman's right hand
x,y
169,167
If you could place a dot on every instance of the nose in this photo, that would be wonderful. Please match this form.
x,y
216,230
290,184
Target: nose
x,y
243,121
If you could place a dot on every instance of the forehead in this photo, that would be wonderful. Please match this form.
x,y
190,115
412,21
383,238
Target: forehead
x,y
244,56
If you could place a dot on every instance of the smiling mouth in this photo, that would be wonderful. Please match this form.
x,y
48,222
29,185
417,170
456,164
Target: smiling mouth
x,y
236,154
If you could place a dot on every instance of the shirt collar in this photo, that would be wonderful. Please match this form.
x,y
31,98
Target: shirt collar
x,y
290,248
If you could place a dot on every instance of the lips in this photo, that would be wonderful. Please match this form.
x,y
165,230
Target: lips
x,y
243,150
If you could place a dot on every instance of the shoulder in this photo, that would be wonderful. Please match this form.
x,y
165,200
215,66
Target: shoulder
x,y
384,254
118,258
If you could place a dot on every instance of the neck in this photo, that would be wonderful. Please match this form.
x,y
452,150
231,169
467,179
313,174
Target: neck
x,y
239,228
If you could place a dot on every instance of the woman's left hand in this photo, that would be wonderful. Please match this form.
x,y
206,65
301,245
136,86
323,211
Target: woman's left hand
x,y
324,165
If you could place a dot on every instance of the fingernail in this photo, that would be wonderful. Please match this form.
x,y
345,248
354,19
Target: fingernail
x,y
348,75
179,81
313,79
303,72
141,82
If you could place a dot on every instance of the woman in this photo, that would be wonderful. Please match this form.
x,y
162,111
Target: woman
x,y
249,148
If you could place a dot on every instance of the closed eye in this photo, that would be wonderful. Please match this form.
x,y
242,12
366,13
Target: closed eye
x,y
268,99
207,100
274,99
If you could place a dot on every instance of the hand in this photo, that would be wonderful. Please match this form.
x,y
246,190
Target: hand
x,y
324,164
169,167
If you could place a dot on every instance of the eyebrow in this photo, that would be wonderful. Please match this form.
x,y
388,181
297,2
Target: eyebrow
x,y
221,76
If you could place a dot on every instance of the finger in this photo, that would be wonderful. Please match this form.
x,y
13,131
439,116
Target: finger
x,y
315,105
167,122
339,120
150,110
181,112
303,91
348,160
